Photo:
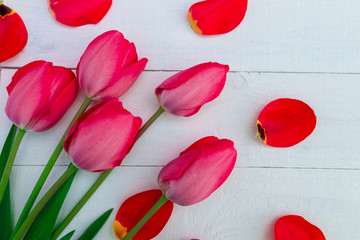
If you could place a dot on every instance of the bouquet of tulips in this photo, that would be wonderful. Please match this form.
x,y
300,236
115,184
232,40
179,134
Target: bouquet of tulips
x,y
103,132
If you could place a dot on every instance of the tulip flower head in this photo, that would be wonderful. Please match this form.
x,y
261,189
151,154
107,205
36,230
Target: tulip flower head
x,y
102,137
212,17
79,12
39,95
296,228
285,122
109,67
13,33
198,171
134,208
187,91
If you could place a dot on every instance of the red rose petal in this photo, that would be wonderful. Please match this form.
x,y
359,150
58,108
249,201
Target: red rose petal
x,y
134,208
216,16
13,33
79,12
296,228
285,122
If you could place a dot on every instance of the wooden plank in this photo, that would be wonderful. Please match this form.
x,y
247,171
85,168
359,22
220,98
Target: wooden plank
x,y
233,115
301,36
245,207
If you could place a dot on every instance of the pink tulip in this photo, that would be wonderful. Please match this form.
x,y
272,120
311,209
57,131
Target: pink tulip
x,y
102,137
198,171
39,95
184,93
109,67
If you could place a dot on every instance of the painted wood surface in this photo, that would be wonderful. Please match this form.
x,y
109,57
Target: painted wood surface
x,y
307,50
282,35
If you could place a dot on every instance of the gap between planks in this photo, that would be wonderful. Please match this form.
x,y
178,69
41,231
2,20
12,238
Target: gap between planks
x,y
237,167
243,71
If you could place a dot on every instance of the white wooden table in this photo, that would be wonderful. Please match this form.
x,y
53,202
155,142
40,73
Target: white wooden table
x,y
300,49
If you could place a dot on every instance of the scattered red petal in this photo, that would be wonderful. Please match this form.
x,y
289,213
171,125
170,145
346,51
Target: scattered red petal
x,y
13,33
134,208
285,122
294,227
212,17
79,12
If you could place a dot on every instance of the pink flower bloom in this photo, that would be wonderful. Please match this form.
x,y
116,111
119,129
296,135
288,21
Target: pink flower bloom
x,y
184,93
39,95
198,171
102,137
79,12
109,67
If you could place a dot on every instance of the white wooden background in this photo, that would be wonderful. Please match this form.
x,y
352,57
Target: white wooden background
x,y
301,49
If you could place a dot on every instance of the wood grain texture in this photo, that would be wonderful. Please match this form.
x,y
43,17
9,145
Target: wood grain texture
x,y
232,115
290,36
244,208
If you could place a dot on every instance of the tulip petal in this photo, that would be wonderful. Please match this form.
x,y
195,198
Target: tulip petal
x,y
79,12
296,228
184,93
285,122
127,77
64,91
212,17
199,143
197,173
34,86
13,33
134,208
112,131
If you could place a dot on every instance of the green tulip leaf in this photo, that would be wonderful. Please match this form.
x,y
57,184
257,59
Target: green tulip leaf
x,y
95,227
44,223
68,236
5,205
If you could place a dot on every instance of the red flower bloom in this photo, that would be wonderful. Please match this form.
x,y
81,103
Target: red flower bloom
x,y
285,122
134,208
216,16
296,228
79,12
13,33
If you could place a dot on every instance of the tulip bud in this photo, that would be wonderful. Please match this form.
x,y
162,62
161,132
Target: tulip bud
x,y
212,17
198,171
13,33
135,208
184,93
79,12
109,67
102,137
296,228
39,95
285,122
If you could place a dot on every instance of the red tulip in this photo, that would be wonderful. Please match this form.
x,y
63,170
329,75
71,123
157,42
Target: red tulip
x,y
296,228
134,208
212,17
109,66
39,95
184,93
102,137
285,122
13,33
79,12
198,171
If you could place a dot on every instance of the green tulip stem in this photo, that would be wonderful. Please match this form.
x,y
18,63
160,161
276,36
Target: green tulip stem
x,y
40,205
147,216
10,162
50,164
98,182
